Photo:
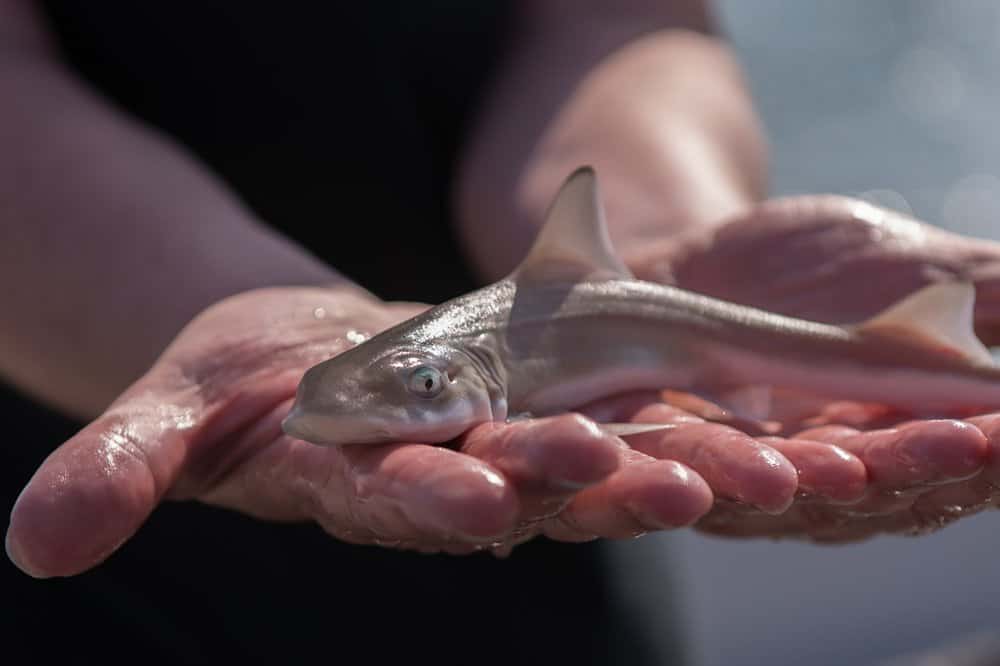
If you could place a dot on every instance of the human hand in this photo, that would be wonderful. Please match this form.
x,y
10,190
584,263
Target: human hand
x,y
839,260
204,423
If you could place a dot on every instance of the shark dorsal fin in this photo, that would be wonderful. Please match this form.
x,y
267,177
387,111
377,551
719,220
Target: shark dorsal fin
x,y
573,244
940,313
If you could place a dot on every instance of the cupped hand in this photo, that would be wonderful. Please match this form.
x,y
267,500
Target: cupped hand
x,y
864,470
204,423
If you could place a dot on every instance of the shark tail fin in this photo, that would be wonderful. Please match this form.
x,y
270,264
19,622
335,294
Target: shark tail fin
x,y
940,314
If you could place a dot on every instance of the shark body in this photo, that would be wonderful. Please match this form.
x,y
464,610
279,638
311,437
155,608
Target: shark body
x,y
571,325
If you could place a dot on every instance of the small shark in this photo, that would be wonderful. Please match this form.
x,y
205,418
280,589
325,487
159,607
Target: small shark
x,y
571,325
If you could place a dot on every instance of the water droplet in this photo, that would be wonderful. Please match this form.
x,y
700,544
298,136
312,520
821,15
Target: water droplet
x,y
493,478
356,337
319,313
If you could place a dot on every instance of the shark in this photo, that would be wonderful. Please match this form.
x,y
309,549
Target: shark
x,y
571,325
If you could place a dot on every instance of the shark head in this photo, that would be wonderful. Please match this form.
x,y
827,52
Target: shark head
x,y
382,391
433,377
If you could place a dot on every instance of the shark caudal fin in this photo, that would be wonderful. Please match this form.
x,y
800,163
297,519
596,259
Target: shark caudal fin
x,y
573,244
941,313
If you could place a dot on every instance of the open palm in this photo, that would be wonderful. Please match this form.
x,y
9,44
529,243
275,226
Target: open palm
x,y
204,423
839,260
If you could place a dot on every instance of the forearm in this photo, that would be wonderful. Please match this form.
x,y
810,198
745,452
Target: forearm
x,y
662,114
111,239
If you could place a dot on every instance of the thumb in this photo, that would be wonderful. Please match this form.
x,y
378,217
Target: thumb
x,y
93,492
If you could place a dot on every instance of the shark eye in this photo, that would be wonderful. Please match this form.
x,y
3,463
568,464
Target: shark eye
x,y
426,381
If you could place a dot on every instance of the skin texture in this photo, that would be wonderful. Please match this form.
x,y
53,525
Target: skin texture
x,y
79,506
201,419
204,423
921,474
220,442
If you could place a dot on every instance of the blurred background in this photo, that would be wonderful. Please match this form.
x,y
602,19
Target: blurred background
x,y
897,102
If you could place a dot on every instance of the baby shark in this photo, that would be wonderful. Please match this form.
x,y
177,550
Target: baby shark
x,y
571,325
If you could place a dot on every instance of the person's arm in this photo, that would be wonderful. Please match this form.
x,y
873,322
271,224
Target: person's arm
x,y
640,89
112,236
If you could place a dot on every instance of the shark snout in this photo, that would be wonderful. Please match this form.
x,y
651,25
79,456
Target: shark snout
x,y
296,424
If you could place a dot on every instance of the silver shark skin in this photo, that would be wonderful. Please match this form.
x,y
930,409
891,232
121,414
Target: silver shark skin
x,y
571,325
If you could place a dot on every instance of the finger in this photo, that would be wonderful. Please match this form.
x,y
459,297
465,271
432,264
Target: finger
x,y
547,460
857,415
93,492
644,495
985,273
561,529
913,454
927,513
944,505
989,425
622,408
735,521
675,407
821,523
735,465
413,496
441,493
824,470
403,495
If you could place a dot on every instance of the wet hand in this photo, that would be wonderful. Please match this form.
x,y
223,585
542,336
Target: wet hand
x,y
205,423
863,470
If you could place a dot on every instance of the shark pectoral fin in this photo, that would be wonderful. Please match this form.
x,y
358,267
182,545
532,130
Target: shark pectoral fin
x,y
941,314
573,244
626,429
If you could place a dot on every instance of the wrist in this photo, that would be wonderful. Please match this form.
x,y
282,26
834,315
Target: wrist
x,y
664,118
668,125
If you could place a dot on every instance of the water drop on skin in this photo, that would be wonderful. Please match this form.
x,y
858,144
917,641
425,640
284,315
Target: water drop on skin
x,y
319,313
356,337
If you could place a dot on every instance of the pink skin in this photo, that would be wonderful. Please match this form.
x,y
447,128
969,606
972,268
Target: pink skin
x,y
204,424
842,263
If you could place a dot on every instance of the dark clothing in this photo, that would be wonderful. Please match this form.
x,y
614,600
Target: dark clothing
x,y
338,123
